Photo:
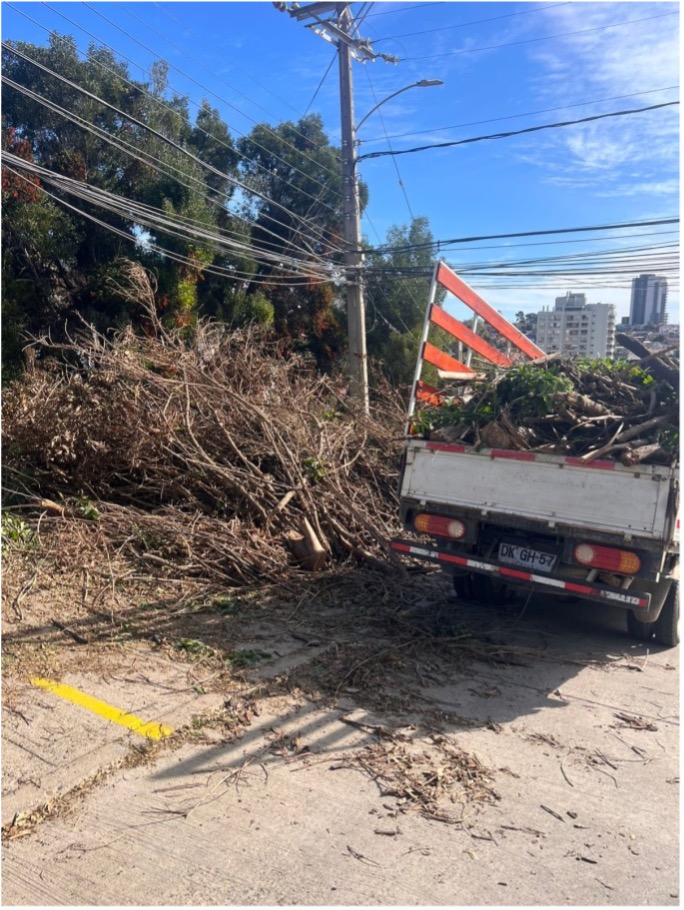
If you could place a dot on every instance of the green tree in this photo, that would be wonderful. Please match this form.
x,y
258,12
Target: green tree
x,y
210,139
38,243
140,153
527,323
297,176
397,289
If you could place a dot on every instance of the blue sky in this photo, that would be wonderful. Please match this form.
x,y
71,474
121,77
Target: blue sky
x,y
505,66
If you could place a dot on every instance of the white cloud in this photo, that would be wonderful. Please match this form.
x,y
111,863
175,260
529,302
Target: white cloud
x,y
610,62
656,188
643,43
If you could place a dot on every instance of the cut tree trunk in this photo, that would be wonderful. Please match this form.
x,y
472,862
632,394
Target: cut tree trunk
x,y
306,547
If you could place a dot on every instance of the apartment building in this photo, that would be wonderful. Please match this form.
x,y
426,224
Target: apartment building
x,y
577,328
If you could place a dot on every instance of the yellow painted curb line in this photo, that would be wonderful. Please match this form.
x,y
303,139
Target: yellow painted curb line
x,y
109,712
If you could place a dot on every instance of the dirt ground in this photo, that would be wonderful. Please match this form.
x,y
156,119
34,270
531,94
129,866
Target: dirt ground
x,y
354,738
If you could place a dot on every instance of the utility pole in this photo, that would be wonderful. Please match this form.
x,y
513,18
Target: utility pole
x,y
338,30
356,306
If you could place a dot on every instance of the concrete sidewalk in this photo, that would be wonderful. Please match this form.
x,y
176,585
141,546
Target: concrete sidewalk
x,y
583,758
50,744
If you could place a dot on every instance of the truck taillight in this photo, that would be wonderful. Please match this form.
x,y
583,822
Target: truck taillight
x,y
439,525
623,562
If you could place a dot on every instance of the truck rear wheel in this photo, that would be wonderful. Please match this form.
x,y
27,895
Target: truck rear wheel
x,y
666,626
665,629
490,590
463,586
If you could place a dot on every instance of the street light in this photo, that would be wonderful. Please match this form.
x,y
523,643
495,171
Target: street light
x,y
353,259
423,83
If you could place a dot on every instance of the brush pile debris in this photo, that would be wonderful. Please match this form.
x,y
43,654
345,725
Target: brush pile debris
x,y
420,781
227,460
607,409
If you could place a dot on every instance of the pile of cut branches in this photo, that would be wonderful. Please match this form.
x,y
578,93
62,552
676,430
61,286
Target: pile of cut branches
x,y
210,460
616,409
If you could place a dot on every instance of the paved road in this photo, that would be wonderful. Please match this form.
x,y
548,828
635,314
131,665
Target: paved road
x,y
559,777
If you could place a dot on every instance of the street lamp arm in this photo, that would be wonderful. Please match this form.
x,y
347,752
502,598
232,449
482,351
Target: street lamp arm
x,y
424,83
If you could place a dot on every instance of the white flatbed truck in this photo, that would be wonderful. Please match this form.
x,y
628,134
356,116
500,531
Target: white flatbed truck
x,y
501,519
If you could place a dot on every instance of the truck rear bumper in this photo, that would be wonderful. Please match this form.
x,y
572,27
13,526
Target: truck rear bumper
x,y
638,601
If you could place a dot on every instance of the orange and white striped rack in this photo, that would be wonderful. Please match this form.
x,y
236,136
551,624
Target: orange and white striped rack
x,y
449,367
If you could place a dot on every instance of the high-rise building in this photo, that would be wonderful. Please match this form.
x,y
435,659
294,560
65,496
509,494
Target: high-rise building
x,y
649,300
578,328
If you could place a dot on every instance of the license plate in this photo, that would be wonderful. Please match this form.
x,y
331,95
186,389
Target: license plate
x,y
515,555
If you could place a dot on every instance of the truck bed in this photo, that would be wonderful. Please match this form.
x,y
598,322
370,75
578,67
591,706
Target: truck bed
x,y
603,496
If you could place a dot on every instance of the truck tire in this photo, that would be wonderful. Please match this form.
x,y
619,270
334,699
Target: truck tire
x,y
463,586
666,626
490,590
641,631
665,629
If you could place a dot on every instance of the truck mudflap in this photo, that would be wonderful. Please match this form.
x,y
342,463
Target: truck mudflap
x,y
640,601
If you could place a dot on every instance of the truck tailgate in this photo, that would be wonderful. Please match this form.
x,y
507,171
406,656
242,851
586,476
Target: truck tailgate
x,y
602,496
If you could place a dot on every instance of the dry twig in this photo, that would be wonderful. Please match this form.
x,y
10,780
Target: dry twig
x,y
197,460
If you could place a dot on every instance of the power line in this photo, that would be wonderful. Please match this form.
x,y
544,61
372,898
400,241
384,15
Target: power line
x,y
206,89
356,23
389,146
582,31
153,247
168,141
403,9
510,246
221,79
438,244
372,225
318,200
537,243
652,256
408,288
123,56
655,263
161,167
615,254
203,39
529,129
591,284
600,277
157,100
658,251
120,143
446,28
547,110
557,273
157,219
320,84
